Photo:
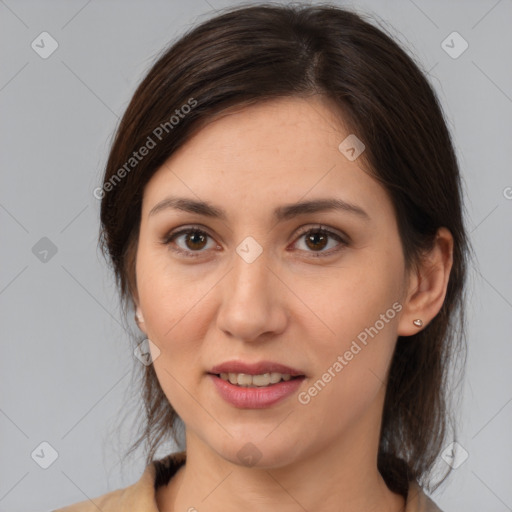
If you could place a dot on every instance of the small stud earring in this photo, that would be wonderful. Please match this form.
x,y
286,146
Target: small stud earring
x,y
418,322
139,317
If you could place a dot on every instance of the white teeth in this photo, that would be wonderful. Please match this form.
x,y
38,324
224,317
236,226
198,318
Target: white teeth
x,y
245,380
275,377
260,380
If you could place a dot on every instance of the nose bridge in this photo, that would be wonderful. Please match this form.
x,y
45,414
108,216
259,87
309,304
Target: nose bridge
x,y
251,259
250,303
250,273
250,278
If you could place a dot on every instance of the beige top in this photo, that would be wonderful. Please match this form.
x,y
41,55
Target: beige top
x,y
140,497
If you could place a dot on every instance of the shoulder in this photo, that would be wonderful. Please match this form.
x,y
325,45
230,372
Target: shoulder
x,y
418,501
138,496
108,501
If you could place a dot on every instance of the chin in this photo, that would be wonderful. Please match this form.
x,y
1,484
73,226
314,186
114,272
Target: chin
x,y
257,452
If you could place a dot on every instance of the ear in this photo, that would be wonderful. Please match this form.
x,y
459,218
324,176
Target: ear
x,y
139,317
427,284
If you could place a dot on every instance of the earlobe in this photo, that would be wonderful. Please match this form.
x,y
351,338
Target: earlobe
x,y
428,287
139,319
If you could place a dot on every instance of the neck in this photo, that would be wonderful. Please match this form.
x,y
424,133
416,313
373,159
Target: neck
x,y
334,476
305,486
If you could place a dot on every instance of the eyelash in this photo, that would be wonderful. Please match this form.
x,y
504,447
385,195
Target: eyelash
x,y
197,229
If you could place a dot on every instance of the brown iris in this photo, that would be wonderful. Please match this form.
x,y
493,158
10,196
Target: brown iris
x,y
194,239
315,238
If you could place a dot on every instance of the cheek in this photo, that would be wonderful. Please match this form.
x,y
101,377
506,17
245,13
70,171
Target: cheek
x,y
175,325
350,368
169,295
359,308
351,296
173,303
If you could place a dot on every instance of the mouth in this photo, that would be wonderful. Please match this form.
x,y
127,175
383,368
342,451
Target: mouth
x,y
259,391
255,385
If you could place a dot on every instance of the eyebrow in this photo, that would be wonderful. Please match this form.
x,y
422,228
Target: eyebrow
x,y
281,213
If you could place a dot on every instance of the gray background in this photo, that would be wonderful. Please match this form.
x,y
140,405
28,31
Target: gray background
x,y
66,365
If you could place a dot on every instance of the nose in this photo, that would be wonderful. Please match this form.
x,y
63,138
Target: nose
x,y
252,301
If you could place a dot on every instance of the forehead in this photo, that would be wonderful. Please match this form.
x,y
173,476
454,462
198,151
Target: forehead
x,y
277,151
281,125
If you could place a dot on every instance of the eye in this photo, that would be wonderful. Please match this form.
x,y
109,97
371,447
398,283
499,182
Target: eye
x,y
194,240
316,239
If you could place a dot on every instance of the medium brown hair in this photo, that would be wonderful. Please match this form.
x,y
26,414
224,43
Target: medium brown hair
x,y
247,55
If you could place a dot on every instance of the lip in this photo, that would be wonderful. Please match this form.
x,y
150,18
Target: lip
x,y
255,397
255,368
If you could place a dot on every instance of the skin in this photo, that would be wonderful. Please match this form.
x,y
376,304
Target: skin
x,y
285,306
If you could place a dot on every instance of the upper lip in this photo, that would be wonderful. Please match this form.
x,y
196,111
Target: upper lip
x,y
255,368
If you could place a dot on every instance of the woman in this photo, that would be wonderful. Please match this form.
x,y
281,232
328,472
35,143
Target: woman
x,y
282,209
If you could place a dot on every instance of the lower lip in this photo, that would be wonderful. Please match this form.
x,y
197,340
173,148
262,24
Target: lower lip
x,y
255,398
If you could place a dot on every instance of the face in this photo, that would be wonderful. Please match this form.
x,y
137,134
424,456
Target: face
x,y
253,286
